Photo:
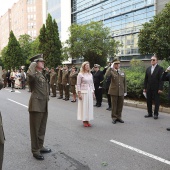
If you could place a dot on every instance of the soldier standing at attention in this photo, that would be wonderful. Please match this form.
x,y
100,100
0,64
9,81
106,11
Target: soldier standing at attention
x,y
65,82
73,81
117,91
38,106
59,81
53,80
47,75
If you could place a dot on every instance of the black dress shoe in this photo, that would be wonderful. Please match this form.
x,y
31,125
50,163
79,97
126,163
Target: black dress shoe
x,y
73,101
45,150
146,116
120,120
168,129
109,109
66,99
114,121
99,105
155,117
60,97
38,156
95,105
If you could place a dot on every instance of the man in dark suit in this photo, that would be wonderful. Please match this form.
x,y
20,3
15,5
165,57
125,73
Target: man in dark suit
x,y
98,84
107,81
38,106
166,77
153,86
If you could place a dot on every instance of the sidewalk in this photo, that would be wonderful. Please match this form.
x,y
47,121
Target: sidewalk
x,y
141,105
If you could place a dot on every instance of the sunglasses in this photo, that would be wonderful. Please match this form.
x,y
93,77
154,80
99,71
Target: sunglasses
x,y
152,59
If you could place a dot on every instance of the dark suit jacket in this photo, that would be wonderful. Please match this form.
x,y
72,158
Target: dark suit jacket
x,y
98,78
153,82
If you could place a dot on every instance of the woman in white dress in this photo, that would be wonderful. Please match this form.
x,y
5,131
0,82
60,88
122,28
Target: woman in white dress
x,y
18,80
85,90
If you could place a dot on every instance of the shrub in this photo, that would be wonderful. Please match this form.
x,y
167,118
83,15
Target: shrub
x,y
164,96
135,78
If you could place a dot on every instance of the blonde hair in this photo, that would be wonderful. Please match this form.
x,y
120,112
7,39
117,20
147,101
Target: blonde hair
x,y
82,69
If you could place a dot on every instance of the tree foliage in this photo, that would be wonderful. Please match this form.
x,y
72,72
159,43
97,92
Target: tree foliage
x,y
12,57
50,44
155,35
91,41
25,44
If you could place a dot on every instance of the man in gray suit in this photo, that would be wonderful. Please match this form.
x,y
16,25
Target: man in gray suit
x,y
117,91
38,106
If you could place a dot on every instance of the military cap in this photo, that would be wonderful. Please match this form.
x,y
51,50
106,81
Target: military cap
x,y
96,65
116,61
73,67
36,58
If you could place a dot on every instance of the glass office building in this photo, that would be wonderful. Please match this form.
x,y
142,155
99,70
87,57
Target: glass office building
x,y
123,17
54,9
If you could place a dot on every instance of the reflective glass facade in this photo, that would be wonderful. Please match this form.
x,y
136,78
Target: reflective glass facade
x,y
124,17
54,9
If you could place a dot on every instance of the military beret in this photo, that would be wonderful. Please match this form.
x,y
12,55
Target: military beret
x,y
116,61
36,58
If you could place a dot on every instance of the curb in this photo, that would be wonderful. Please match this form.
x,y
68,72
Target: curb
x,y
141,105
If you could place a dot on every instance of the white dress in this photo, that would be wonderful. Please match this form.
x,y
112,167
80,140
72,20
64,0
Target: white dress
x,y
18,80
85,106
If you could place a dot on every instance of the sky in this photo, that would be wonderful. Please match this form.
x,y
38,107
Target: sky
x,y
5,5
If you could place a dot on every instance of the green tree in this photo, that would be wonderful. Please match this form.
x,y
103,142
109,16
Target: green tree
x,y
42,40
50,44
154,37
13,55
91,41
35,47
25,44
4,57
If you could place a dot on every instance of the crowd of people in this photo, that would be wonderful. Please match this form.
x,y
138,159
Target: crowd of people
x,y
86,84
14,78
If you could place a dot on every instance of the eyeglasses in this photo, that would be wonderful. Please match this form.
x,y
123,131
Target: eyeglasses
x,y
152,59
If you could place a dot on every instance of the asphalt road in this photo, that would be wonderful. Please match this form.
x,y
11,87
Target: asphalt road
x,y
138,144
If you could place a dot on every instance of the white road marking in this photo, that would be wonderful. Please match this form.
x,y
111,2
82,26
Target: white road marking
x,y
17,103
141,152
